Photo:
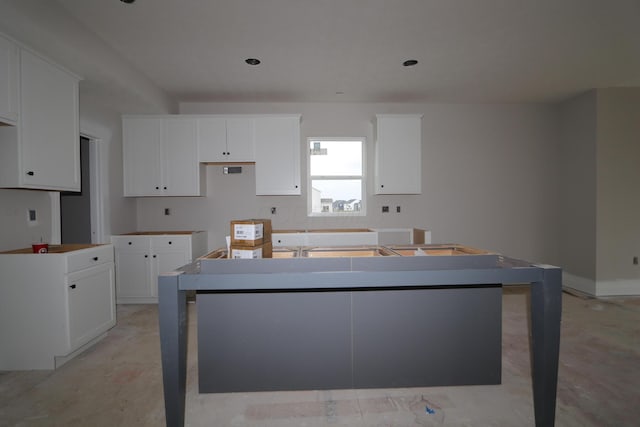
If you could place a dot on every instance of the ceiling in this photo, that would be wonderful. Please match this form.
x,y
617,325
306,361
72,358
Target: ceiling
x,y
478,51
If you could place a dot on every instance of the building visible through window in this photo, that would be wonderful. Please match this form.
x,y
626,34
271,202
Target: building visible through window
x,y
336,176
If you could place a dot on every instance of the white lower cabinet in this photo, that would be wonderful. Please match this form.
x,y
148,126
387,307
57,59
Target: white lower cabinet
x,y
141,257
55,305
86,292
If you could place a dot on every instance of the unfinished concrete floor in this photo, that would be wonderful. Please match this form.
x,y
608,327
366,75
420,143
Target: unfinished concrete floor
x,y
118,382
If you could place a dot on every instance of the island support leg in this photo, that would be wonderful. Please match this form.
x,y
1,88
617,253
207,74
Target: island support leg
x,y
172,313
546,308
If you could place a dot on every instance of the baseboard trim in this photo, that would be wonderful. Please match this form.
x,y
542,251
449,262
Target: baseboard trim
x,y
580,284
605,288
618,288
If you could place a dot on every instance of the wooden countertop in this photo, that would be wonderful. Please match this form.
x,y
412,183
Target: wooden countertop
x,y
158,233
55,249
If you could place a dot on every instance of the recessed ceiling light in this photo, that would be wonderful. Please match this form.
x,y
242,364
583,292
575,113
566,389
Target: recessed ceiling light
x,y
127,1
410,62
252,61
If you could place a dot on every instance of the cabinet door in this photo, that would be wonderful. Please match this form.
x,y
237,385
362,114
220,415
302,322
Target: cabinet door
x,y
240,139
9,81
133,274
277,155
91,303
141,154
166,260
181,173
212,139
50,140
398,155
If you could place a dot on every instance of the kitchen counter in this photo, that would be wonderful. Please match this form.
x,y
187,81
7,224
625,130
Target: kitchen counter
x,y
362,251
355,322
158,233
56,249
350,236
54,305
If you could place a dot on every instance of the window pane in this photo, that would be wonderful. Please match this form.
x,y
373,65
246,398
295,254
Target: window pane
x,y
335,158
336,195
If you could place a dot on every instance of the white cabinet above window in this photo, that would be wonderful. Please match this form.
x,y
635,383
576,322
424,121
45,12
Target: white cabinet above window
x,y
225,139
160,156
398,154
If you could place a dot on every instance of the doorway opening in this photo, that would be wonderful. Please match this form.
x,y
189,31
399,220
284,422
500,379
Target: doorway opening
x,y
80,212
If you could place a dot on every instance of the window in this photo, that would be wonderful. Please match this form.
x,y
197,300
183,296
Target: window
x,y
336,176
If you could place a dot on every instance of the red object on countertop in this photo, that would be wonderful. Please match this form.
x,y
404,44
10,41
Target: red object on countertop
x,y
40,248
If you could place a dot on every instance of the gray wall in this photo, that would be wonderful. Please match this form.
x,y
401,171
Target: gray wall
x,y
489,178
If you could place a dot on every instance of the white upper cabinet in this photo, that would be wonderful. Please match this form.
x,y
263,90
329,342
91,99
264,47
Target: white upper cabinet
x,y
225,139
182,173
42,151
161,156
398,154
165,155
9,81
141,141
277,155
240,139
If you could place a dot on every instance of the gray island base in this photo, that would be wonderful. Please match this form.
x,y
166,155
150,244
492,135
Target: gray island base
x,y
305,323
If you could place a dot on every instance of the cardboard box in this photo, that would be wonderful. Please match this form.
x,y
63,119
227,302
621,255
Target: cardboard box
x,y
250,232
251,252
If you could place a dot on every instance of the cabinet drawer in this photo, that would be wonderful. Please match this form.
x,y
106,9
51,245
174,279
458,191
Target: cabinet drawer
x,y
171,242
135,243
80,260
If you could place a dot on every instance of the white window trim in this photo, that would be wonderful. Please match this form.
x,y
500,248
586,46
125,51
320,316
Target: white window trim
x,y
363,179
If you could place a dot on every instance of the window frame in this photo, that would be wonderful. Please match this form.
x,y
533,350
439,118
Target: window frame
x,y
362,178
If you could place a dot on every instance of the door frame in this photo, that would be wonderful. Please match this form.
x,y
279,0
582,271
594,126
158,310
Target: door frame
x,y
96,191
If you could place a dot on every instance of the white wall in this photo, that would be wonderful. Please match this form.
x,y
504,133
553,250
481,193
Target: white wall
x,y
15,230
45,26
600,178
489,177
105,125
618,191
578,191
110,87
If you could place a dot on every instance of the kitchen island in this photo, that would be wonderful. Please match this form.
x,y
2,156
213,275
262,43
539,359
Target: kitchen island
x,y
308,322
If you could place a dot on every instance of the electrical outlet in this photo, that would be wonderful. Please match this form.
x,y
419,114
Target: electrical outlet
x,y
385,209
32,215
167,211
398,209
273,211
